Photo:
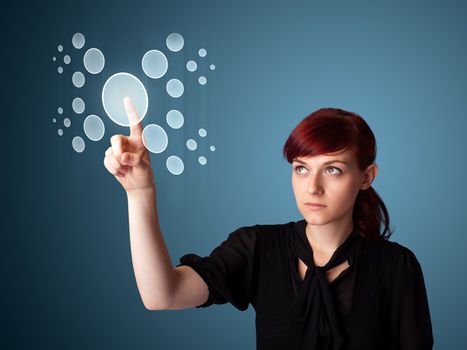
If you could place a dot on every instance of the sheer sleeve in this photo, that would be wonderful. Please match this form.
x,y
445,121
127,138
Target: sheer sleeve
x,y
410,315
229,269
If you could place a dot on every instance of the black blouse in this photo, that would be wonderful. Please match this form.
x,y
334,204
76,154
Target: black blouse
x,y
378,302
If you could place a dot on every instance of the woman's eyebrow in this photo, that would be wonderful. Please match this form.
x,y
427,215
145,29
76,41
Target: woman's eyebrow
x,y
325,163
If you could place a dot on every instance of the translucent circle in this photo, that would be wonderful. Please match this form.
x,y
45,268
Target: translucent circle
x,y
155,138
202,132
78,40
60,110
202,80
202,160
60,48
116,88
212,148
54,120
78,105
174,119
93,127
175,42
67,122
67,59
54,58
94,60
60,132
154,64
202,52
78,144
212,67
191,144
175,165
174,88
60,70
78,79
191,66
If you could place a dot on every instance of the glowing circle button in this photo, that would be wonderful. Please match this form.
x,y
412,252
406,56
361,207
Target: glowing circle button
x,y
116,88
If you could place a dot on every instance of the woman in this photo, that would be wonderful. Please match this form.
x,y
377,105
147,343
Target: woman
x,y
330,281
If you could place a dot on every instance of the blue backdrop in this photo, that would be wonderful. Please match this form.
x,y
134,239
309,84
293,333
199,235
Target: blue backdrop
x,y
67,278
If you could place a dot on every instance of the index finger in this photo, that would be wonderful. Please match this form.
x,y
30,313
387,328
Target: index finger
x,y
136,128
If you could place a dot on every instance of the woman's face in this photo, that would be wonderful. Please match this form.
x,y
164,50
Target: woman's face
x,y
333,184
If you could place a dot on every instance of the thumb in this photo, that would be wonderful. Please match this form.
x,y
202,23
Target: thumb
x,y
130,159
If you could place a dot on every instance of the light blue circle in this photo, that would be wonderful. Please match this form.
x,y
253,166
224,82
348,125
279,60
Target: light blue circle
x,y
175,42
191,66
67,122
94,60
212,148
78,144
175,165
67,59
174,119
94,127
54,58
191,144
202,132
175,88
54,120
60,48
60,132
212,67
60,70
154,64
60,110
202,80
155,138
202,160
78,79
202,52
116,88
78,105
78,40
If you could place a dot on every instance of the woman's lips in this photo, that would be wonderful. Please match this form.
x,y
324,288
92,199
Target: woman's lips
x,y
315,206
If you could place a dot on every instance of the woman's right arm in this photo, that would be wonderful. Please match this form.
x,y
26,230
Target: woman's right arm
x,y
161,286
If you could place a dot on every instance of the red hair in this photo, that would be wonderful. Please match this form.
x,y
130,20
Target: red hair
x,y
330,130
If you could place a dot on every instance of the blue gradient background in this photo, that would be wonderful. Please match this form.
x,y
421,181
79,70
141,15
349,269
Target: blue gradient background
x,y
67,278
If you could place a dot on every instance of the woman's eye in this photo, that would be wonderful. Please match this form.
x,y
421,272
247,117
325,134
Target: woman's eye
x,y
331,167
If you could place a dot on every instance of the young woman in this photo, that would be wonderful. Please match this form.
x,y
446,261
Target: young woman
x,y
330,281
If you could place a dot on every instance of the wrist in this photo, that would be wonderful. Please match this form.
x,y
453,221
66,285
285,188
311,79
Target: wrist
x,y
141,192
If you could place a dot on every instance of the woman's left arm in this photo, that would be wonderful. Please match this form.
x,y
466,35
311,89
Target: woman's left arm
x,y
410,314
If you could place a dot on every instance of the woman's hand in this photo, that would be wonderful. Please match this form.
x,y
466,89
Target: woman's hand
x,y
128,159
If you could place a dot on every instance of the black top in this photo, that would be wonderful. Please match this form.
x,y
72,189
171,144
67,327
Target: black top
x,y
378,302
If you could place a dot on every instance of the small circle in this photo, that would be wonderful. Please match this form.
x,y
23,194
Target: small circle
x,y
94,60
93,127
202,52
175,165
78,79
60,110
78,40
202,160
54,58
67,122
154,64
60,132
60,70
175,88
202,132
212,67
202,80
191,144
78,144
54,120
155,138
116,88
191,66
212,148
174,42
174,119
60,48
67,59
78,105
